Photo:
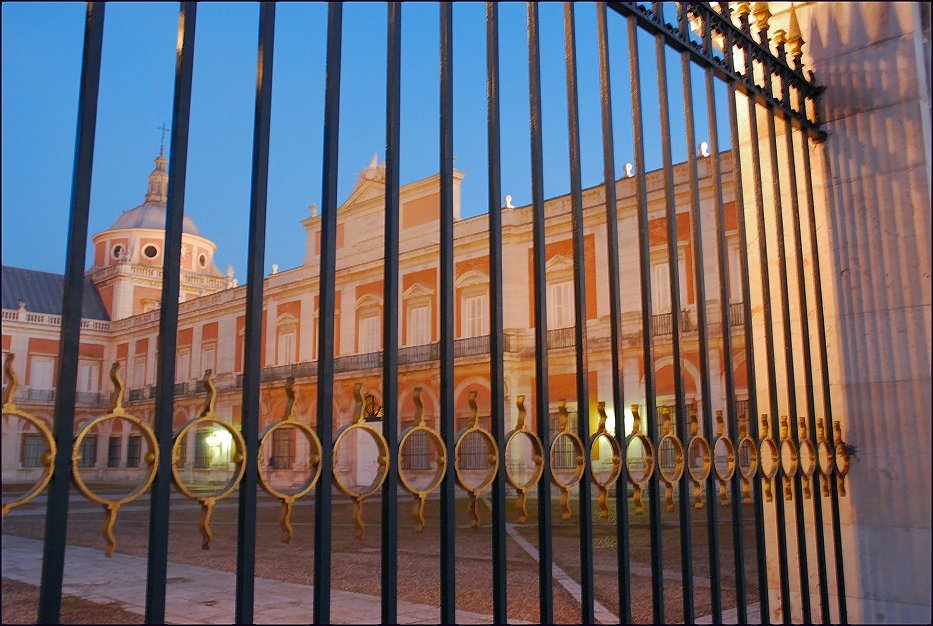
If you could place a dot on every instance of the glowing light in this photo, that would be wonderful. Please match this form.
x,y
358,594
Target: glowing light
x,y
220,437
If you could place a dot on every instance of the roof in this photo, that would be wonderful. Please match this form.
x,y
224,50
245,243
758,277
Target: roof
x,y
151,215
42,292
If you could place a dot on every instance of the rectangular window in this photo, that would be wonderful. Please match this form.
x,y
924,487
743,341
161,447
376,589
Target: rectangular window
x,y
207,357
560,305
139,374
735,273
88,451
283,449
370,335
286,347
183,366
419,325
40,372
113,451
88,372
33,445
475,316
133,450
661,286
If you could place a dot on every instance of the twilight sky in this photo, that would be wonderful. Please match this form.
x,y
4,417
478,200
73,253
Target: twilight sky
x,y
42,43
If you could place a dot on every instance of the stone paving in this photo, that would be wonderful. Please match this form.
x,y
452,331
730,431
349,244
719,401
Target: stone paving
x,y
198,595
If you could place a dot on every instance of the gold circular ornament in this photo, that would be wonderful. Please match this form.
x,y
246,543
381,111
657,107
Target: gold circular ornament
x,y
567,454
769,459
475,430
267,440
728,452
151,458
638,481
513,439
353,431
237,455
47,458
790,459
605,479
419,434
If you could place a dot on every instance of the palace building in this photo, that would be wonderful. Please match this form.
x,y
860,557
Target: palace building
x,y
121,318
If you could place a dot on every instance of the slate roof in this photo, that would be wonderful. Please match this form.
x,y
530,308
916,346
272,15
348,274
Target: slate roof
x,y
42,292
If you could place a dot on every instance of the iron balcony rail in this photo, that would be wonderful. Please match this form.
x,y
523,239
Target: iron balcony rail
x,y
560,338
663,323
736,313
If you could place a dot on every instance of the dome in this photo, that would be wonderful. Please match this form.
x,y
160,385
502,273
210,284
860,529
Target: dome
x,y
151,215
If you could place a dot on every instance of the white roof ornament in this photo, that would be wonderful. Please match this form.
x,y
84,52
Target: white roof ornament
x,y
313,207
629,170
508,201
275,268
704,149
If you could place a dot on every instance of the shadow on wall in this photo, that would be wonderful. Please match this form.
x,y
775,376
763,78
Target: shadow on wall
x,y
877,283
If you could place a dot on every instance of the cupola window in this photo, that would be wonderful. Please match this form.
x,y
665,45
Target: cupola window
x,y
151,251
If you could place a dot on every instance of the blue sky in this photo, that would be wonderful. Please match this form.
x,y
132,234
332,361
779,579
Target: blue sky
x,y
42,45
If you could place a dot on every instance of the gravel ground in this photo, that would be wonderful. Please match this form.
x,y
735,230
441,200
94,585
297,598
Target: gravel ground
x,y
20,601
356,562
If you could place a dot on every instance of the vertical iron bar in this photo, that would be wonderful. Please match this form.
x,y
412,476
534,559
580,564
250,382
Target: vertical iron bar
x,y
496,366
780,520
325,390
390,314
807,371
168,316
760,552
579,328
246,528
699,271
615,320
53,552
542,413
673,258
790,380
824,379
644,266
722,260
448,428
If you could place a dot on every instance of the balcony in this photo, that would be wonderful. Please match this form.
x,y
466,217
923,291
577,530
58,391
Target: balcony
x,y
663,323
737,314
560,338
354,362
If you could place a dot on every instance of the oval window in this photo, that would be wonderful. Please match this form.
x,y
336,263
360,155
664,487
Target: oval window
x,y
202,260
117,251
151,251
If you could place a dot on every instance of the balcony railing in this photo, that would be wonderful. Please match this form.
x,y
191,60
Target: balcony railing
x,y
419,354
560,338
736,313
663,323
471,346
354,362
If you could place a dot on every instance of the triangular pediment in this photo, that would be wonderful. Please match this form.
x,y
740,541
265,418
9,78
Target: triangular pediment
x,y
559,263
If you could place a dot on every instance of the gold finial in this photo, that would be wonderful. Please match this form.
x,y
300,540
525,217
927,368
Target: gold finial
x,y
12,380
562,416
419,406
117,398
762,15
794,38
780,37
474,409
290,399
520,404
208,383
743,8
601,411
358,397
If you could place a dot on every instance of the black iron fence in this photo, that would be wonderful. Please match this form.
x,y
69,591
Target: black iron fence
x,y
758,76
